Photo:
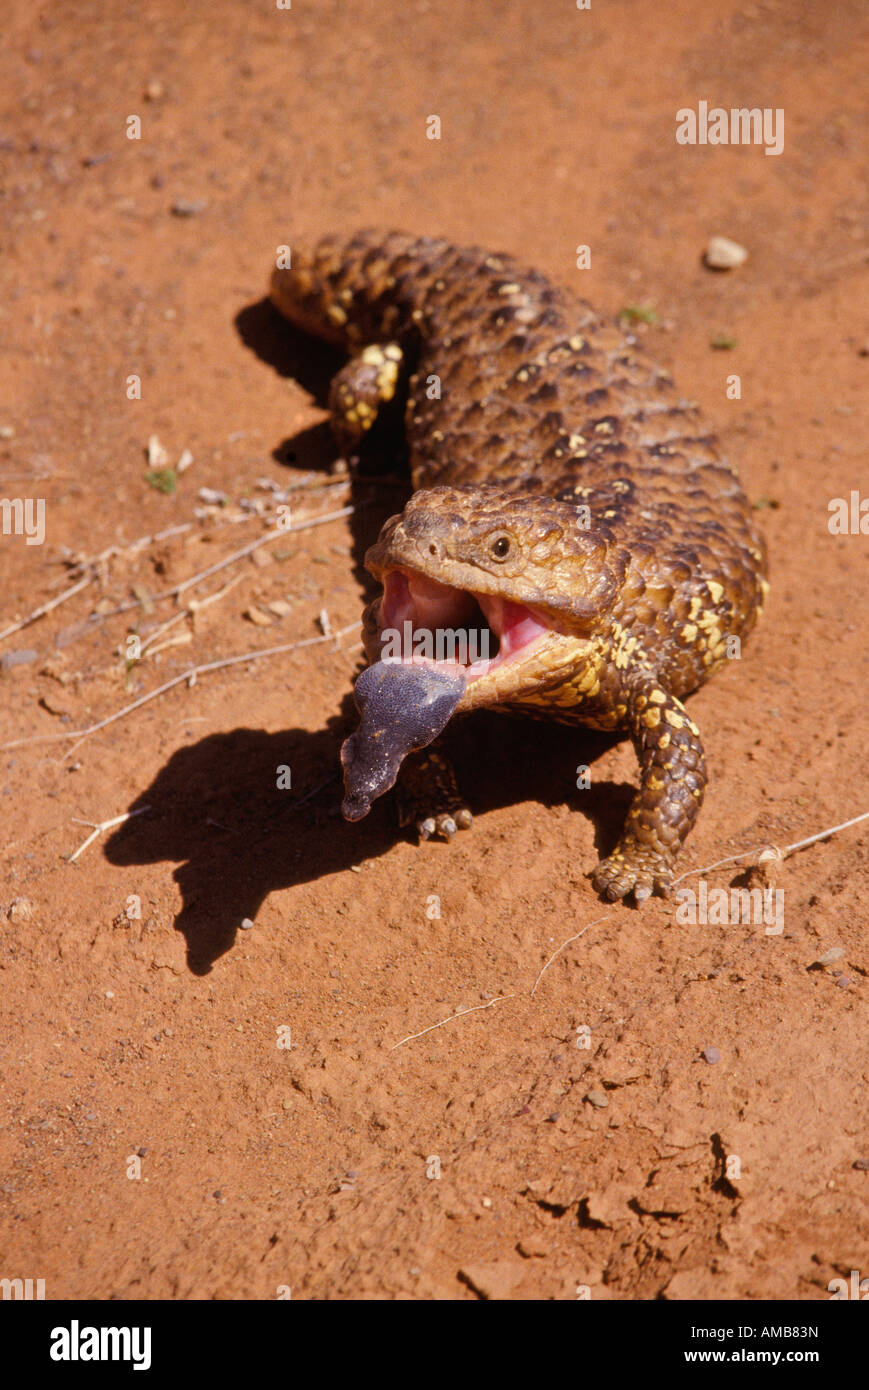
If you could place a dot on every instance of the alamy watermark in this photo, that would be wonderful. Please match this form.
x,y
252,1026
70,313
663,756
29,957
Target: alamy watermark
x,y
77,1343
467,646
22,1289
740,125
23,517
718,907
849,516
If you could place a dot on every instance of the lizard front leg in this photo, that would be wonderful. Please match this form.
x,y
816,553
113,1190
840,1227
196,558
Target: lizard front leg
x,y
673,780
358,392
428,795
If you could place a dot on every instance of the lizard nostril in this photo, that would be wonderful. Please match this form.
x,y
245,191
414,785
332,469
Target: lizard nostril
x,y
432,550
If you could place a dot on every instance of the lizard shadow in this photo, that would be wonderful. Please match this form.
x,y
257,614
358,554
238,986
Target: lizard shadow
x,y
215,808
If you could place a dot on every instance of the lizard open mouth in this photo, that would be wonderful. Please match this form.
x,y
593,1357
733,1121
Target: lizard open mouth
x,y
422,620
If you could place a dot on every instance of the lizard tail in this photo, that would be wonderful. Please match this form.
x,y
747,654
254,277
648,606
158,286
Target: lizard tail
x,y
353,292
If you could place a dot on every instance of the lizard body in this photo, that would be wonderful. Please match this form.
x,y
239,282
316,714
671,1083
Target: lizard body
x,y
565,497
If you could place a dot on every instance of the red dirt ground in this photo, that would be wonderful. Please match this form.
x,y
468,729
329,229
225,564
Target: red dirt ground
x,y
155,1037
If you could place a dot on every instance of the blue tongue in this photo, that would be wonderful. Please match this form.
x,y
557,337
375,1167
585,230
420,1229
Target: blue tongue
x,y
403,707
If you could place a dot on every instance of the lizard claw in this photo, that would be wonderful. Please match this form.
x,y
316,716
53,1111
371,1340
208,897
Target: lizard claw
x,y
444,825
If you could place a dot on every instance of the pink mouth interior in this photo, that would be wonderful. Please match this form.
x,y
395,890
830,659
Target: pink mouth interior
x,y
409,596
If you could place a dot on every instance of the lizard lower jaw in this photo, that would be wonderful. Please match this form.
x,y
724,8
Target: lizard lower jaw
x,y
478,634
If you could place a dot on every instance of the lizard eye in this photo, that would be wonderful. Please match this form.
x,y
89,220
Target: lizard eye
x,y
501,547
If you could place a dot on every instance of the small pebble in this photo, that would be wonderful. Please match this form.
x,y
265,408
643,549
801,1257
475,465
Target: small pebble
x,y
188,207
246,924
862,1165
712,1055
7,431
597,1099
23,657
830,957
843,982
20,910
723,254
157,455
154,91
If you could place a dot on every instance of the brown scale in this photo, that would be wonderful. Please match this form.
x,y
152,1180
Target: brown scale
x,y
524,406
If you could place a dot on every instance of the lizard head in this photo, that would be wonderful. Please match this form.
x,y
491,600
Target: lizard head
x,y
511,589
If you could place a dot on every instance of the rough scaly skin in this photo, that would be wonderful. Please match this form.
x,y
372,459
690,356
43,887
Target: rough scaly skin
x,y
556,469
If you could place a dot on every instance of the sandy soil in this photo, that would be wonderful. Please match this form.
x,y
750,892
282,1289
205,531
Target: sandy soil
x,y
196,1110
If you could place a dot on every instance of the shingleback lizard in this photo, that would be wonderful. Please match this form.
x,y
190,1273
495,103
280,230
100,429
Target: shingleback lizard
x,y
564,496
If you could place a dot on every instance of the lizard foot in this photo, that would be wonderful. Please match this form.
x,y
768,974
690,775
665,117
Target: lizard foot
x,y
633,868
429,799
444,824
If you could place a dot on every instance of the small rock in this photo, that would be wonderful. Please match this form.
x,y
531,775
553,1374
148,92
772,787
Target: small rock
x,y
843,982
7,431
184,461
246,924
212,496
723,254
862,1165
597,1099
22,657
712,1055
279,607
257,616
830,957
154,90
157,455
20,910
188,207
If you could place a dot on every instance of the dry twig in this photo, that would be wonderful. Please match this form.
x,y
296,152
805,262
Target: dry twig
x,y
100,826
778,854
461,1012
189,676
